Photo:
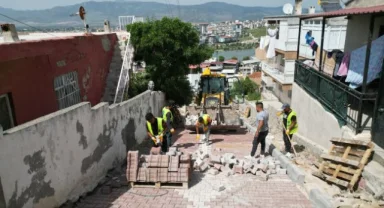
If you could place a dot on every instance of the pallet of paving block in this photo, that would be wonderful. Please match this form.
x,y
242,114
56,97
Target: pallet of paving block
x,y
161,185
345,161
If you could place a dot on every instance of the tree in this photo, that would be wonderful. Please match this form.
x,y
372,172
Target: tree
x,y
221,58
234,58
246,58
246,86
138,84
168,46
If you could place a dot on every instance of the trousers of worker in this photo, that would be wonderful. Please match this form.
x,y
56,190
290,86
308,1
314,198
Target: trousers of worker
x,y
206,135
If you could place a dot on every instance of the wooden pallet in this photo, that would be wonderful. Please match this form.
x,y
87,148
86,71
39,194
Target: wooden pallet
x,y
175,185
344,162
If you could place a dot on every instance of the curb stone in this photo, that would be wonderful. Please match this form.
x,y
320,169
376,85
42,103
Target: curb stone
x,y
317,198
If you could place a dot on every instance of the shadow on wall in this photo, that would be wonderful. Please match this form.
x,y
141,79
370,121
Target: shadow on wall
x,y
68,152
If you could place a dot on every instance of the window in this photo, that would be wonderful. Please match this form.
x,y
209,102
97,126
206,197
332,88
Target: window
x,y
6,112
290,93
67,90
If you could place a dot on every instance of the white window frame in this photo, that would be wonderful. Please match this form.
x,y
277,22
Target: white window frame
x,y
67,89
10,112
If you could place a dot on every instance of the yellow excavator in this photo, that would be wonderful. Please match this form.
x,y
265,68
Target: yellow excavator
x,y
214,99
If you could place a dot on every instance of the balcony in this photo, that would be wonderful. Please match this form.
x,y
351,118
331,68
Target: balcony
x,y
278,72
351,107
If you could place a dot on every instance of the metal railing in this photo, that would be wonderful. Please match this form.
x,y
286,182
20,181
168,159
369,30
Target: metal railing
x,y
122,85
350,106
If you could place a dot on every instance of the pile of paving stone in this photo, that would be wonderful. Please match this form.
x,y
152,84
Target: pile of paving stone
x,y
230,165
158,168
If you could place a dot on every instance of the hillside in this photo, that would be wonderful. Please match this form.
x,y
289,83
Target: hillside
x,y
97,12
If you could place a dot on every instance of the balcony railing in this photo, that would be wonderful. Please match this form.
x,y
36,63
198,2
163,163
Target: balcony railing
x,y
350,106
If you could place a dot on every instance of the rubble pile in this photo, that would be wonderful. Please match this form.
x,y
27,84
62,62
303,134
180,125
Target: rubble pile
x,y
230,165
191,120
171,168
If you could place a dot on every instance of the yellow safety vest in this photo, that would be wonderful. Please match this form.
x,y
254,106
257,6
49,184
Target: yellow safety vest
x,y
159,126
165,112
205,118
289,121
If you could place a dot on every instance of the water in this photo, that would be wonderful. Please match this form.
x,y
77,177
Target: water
x,y
237,53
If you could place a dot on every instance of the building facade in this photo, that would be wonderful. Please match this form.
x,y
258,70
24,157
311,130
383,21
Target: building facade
x,y
350,103
42,76
278,53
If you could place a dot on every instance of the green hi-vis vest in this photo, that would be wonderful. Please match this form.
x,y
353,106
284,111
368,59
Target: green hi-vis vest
x,y
159,126
205,118
165,112
289,121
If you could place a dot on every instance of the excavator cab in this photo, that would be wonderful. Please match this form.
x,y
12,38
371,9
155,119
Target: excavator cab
x,y
215,99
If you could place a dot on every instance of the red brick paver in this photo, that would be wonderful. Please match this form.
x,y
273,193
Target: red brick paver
x,y
240,190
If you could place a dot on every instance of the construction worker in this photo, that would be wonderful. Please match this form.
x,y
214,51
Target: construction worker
x,y
290,126
206,121
261,133
156,128
168,118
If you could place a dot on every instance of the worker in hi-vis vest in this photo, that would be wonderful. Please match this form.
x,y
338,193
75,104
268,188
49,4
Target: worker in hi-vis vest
x,y
290,126
156,128
168,118
206,121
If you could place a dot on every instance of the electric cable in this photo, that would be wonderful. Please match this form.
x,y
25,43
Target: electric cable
x,y
27,24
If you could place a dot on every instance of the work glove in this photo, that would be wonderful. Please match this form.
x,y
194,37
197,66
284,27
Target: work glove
x,y
197,137
205,129
154,139
279,113
172,130
287,132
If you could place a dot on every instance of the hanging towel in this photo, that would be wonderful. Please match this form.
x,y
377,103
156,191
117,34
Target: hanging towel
x,y
356,65
262,40
314,47
339,58
311,42
309,38
343,69
271,49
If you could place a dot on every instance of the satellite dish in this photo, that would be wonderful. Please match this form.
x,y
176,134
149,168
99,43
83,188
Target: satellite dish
x,y
287,8
82,13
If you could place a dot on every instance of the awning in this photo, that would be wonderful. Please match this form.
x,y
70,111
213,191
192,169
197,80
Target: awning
x,y
346,12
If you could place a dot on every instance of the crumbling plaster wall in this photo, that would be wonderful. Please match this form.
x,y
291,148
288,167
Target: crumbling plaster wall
x,y
63,155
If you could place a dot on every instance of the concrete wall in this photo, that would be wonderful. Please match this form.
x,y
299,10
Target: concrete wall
x,y
358,31
315,122
28,70
59,157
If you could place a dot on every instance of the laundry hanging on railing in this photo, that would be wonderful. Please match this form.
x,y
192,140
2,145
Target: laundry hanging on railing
x,y
272,33
357,63
311,42
343,69
339,55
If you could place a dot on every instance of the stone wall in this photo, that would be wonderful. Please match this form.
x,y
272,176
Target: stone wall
x,y
59,157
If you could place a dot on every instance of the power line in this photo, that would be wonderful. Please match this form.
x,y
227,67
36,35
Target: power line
x,y
26,24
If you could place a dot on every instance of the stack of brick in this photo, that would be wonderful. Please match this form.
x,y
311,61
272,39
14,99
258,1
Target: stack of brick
x,y
132,165
158,168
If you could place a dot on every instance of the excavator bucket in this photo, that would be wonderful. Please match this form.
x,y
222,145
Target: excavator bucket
x,y
224,117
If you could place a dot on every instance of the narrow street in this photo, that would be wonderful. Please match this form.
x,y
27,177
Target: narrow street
x,y
244,190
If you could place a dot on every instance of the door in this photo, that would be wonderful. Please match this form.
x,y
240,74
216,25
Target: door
x,y
378,125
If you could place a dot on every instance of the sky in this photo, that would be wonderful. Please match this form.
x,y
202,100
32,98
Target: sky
x,y
46,4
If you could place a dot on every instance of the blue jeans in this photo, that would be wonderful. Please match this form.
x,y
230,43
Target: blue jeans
x,y
259,140
168,135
